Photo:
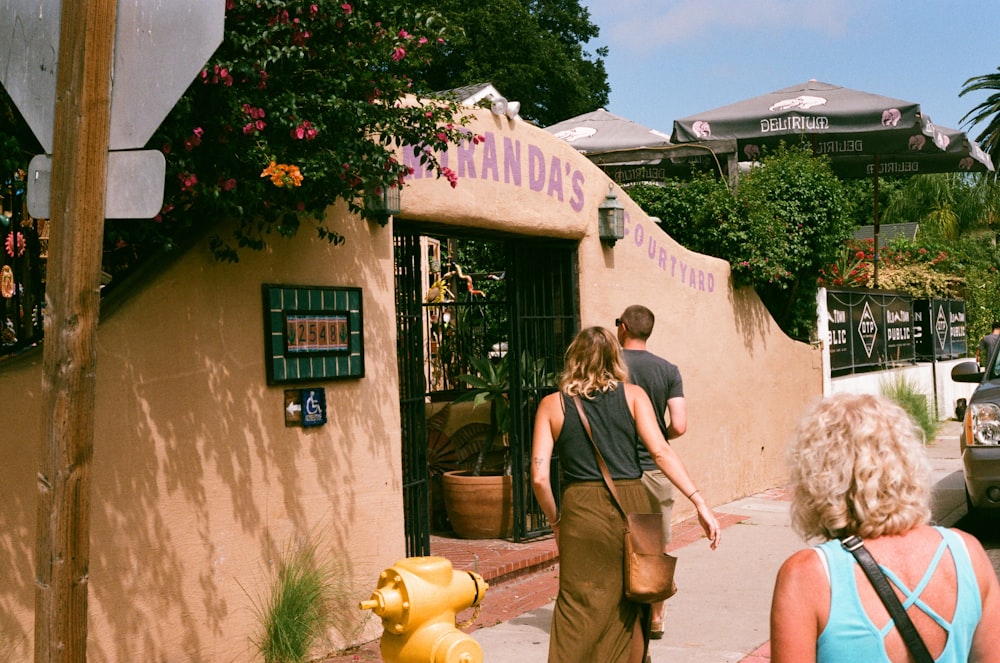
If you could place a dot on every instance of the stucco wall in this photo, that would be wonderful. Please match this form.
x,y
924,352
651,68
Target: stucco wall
x,y
197,485
746,383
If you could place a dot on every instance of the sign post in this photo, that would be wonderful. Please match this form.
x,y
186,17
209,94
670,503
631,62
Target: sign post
x,y
151,50
80,153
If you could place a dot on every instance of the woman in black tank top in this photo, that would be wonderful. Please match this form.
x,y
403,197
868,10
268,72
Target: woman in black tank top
x,y
592,620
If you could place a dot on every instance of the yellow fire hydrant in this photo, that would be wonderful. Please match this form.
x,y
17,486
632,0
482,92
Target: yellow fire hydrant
x,y
417,599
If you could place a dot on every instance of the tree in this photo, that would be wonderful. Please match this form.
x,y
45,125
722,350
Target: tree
x,y
793,220
787,222
693,212
988,111
530,50
947,205
304,103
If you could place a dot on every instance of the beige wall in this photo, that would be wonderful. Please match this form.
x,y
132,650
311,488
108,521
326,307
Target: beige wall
x,y
197,485
745,381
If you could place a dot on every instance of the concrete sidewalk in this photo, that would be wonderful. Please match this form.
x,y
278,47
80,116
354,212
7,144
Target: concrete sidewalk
x,y
721,611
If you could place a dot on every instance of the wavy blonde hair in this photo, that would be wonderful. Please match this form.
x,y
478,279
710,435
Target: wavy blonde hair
x,y
858,466
593,363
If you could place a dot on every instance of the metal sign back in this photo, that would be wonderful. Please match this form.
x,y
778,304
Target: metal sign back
x,y
134,189
160,46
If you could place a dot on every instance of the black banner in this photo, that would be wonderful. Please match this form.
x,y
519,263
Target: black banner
x,y
939,328
869,329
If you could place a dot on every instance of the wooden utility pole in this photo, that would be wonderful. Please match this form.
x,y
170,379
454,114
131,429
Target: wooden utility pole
x,y
72,294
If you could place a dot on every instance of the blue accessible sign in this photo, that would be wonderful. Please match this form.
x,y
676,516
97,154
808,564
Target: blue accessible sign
x,y
305,407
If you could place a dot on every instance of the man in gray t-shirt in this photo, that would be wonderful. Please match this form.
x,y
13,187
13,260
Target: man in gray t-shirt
x,y
987,344
662,381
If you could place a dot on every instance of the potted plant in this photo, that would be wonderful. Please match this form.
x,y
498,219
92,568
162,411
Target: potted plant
x,y
478,499
478,503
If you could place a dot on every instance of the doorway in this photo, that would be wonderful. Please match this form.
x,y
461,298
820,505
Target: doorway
x,y
513,303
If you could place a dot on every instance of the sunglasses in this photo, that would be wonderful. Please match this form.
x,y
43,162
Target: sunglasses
x,y
618,322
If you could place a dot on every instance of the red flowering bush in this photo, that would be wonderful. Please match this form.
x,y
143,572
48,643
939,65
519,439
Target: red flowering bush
x,y
304,103
904,265
853,269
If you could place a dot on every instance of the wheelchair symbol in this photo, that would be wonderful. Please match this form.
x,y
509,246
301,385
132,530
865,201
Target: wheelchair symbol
x,y
313,408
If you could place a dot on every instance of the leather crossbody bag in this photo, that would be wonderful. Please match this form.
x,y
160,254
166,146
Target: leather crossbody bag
x,y
648,571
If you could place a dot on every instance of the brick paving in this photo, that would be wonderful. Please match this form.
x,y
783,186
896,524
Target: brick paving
x,y
524,577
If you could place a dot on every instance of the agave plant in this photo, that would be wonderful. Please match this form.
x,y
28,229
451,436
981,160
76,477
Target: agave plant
x,y
490,384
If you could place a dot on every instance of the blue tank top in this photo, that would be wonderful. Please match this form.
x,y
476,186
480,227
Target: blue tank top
x,y
851,636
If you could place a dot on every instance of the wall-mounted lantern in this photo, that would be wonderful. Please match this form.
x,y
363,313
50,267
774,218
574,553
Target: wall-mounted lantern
x,y
382,204
611,219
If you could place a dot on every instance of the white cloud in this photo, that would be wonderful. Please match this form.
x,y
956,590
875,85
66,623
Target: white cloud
x,y
641,25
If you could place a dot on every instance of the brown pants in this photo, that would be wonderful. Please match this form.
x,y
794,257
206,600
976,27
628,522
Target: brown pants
x,y
592,620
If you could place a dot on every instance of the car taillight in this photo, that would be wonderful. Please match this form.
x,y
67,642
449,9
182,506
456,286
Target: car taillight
x,y
985,423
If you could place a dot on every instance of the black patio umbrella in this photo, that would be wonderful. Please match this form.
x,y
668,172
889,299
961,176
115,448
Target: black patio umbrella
x,y
628,151
946,151
835,120
864,134
600,131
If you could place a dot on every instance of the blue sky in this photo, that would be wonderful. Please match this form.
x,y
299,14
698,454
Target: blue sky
x,y
672,58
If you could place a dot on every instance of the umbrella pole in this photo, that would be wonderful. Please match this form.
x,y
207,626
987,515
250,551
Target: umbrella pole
x,y
875,227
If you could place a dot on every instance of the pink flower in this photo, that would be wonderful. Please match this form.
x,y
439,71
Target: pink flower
x,y
422,41
188,181
347,8
398,54
403,34
194,140
304,131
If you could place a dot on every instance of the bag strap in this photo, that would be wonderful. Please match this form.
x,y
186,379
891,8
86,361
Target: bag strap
x,y
597,452
856,546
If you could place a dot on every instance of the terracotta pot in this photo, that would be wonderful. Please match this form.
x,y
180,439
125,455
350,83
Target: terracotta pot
x,y
478,507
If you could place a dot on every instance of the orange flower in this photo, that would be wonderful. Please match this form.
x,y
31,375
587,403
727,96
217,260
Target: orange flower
x,y
283,174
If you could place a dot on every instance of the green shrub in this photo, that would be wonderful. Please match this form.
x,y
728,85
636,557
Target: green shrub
x,y
904,393
294,614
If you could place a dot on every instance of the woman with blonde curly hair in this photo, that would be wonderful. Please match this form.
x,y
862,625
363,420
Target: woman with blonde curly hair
x,y
858,468
593,621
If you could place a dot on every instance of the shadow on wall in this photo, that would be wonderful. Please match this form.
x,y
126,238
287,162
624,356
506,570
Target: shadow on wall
x,y
752,319
192,462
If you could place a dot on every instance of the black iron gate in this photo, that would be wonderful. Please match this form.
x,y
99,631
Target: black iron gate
x,y
410,350
542,290
541,319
